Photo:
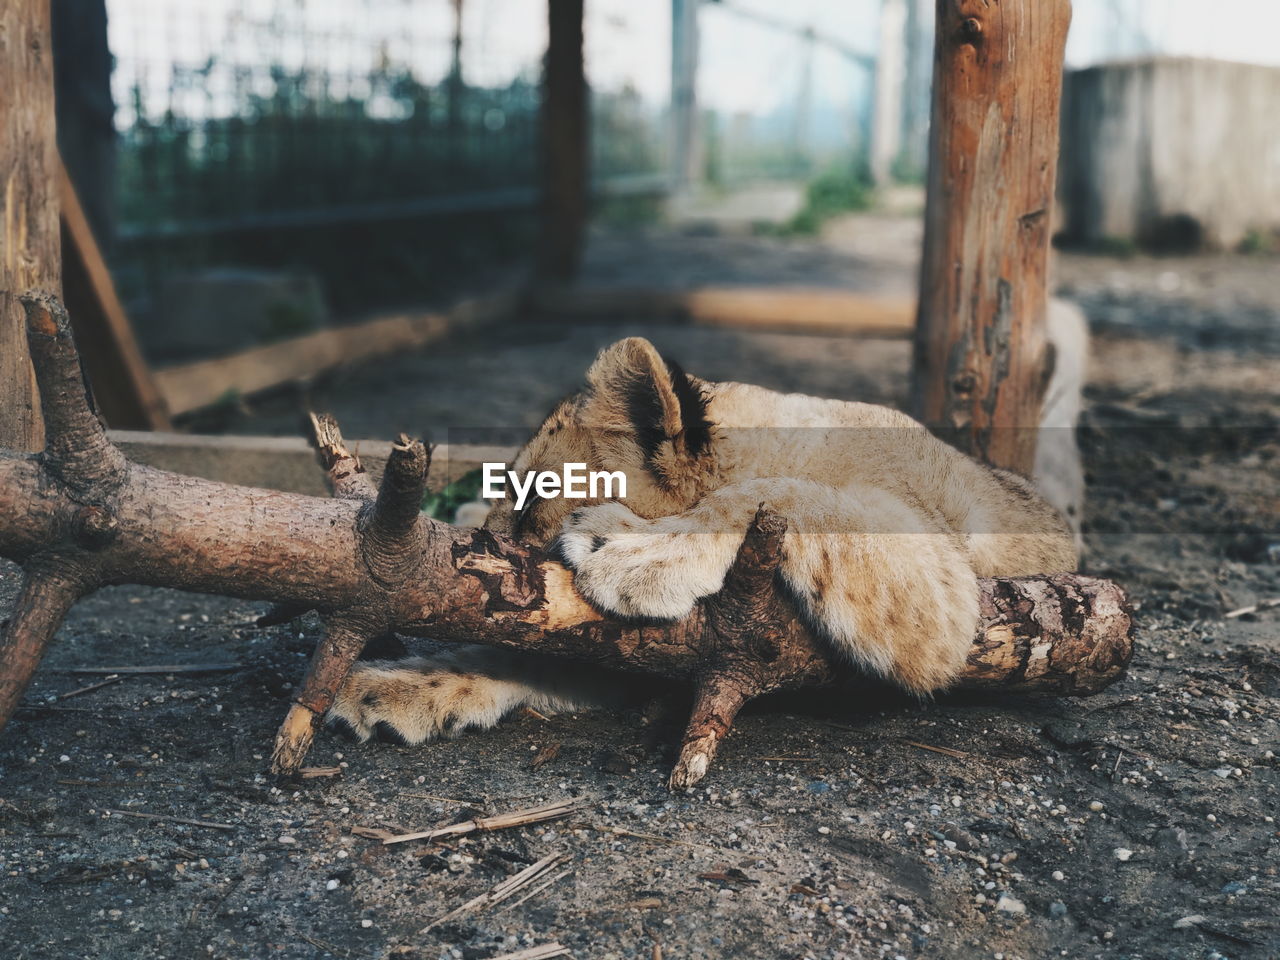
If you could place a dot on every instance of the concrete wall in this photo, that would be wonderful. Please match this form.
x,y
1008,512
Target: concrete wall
x,y
1152,148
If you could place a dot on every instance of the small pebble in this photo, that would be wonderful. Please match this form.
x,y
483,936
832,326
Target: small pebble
x,y
1096,805
1122,853
1058,875
366,924
1008,904
332,885
285,838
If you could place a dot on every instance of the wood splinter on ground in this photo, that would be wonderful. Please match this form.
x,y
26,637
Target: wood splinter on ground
x,y
501,821
543,951
507,889
80,516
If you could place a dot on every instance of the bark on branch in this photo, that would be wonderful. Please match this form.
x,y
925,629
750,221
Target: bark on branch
x,y
79,516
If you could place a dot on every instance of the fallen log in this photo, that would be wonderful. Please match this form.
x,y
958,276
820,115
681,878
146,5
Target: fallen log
x,y
79,516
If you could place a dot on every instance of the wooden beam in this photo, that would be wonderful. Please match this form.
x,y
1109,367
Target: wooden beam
x,y
123,388
801,310
981,363
191,386
565,138
286,463
29,254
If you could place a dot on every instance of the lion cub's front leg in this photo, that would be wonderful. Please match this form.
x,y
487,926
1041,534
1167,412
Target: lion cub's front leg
x,y
634,567
881,581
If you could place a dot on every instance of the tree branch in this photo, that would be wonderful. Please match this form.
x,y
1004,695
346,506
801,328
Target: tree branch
x,y
391,539
76,444
344,638
347,476
46,595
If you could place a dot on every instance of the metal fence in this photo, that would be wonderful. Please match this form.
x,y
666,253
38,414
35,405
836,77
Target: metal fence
x,y
388,147
380,144
788,90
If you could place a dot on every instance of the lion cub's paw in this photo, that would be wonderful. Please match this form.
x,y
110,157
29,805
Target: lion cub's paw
x,y
626,565
409,701
587,530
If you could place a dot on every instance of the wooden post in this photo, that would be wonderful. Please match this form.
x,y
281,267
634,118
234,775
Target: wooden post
x,y
684,94
981,363
566,172
455,84
29,242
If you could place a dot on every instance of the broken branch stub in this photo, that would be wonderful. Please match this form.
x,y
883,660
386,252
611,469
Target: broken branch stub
x,y
391,545
79,516
347,477
747,615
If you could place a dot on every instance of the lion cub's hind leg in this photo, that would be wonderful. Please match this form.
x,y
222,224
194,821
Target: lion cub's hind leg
x,y
470,687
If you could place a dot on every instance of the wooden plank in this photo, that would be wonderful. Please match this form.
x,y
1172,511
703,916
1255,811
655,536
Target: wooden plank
x,y
767,309
164,668
565,168
981,359
191,386
285,463
123,387
29,254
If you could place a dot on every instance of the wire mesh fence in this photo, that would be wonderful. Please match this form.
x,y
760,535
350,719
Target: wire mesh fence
x,y
308,132
386,148
380,144
789,90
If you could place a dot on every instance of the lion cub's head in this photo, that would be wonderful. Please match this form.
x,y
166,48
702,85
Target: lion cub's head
x,y
640,414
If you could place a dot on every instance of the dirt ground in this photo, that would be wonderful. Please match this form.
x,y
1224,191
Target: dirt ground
x,y
1136,824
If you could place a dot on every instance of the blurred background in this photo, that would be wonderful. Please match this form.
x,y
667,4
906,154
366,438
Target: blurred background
x,y
256,170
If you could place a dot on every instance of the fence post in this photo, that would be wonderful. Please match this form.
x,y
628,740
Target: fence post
x,y
684,94
30,250
565,142
981,362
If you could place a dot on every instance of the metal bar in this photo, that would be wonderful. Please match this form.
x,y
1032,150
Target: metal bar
x,y
480,201
805,33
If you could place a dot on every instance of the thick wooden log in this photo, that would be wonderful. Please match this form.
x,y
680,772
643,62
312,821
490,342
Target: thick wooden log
x,y
981,363
30,256
373,564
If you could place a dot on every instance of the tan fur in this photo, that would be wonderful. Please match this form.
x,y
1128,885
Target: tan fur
x,y
421,698
889,527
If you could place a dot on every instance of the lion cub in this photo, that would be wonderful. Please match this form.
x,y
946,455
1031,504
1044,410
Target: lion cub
x,y
888,530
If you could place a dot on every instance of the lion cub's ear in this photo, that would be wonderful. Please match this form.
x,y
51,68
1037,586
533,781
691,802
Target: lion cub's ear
x,y
633,390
